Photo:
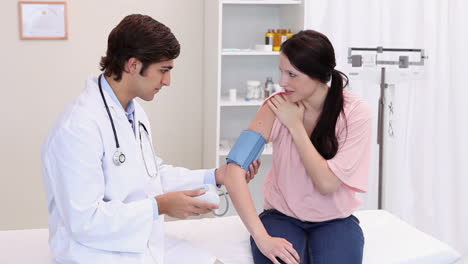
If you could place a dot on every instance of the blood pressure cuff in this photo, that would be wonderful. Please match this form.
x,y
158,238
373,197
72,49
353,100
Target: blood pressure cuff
x,y
248,147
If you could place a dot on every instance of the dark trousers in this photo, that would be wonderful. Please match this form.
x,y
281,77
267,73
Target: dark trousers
x,y
334,241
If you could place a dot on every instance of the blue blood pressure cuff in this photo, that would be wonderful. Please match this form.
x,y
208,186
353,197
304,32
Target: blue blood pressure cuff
x,y
248,147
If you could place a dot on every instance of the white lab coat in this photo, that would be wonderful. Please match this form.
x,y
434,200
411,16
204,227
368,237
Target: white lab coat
x,y
100,212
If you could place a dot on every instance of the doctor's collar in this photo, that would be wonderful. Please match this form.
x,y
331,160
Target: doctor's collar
x,y
106,87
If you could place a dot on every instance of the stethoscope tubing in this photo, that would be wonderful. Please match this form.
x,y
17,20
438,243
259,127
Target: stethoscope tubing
x,y
119,157
117,145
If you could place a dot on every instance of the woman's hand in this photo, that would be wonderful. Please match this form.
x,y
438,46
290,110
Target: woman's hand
x,y
290,114
273,247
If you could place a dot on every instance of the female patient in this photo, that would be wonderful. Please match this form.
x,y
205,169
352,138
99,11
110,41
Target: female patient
x,y
321,138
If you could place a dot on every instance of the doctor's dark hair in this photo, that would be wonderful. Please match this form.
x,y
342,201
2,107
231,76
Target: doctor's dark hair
x,y
140,37
312,53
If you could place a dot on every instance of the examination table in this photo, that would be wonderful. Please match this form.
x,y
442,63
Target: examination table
x,y
388,239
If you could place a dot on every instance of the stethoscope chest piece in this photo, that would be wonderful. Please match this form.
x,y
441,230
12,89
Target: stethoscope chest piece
x,y
119,158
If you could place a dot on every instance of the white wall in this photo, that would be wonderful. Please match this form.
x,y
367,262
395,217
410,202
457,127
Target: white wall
x,y
39,77
425,161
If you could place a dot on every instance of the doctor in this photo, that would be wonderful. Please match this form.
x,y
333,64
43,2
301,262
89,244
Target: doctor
x,y
106,190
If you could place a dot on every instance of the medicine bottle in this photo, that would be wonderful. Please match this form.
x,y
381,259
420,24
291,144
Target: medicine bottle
x,y
276,40
268,88
269,37
289,34
284,36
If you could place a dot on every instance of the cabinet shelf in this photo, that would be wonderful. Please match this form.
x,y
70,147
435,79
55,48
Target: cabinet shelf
x,y
260,2
240,102
233,28
250,53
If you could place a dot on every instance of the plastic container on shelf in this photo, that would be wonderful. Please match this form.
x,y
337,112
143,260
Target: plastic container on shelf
x,y
253,90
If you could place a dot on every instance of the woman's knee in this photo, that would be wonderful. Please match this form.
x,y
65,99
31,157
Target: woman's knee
x,y
280,225
257,255
339,241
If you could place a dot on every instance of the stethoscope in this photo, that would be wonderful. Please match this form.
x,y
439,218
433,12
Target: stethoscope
x,y
119,157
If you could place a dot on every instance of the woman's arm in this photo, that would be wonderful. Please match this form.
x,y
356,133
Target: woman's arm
x,y
316,166
291,115
235,182
240,195
242,200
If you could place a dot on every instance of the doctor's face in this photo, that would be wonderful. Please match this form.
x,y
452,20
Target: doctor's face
x,y
153,79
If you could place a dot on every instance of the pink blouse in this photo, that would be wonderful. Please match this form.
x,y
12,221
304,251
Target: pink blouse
x,y
291,191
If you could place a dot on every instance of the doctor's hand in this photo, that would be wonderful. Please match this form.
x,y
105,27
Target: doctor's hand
x,y
277,247
249,175
181,204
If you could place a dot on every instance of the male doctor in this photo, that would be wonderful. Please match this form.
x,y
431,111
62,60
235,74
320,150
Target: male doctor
x,y
106,191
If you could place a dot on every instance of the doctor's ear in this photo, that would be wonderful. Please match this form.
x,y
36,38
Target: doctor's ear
x,y
133,65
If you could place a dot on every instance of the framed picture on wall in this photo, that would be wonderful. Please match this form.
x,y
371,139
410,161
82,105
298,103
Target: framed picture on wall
x,y
43,20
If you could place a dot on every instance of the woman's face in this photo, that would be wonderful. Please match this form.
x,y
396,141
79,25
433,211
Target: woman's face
x,y
297,85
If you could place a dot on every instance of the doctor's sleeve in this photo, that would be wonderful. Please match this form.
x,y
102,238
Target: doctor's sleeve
x,y
178,178
73,167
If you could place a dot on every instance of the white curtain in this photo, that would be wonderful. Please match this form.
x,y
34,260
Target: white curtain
x,y
426,159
